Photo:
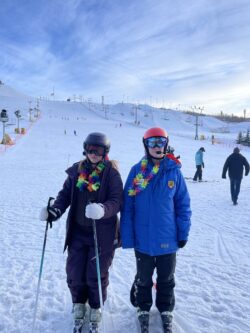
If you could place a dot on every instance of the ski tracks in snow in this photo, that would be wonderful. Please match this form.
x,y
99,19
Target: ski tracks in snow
x,y
218,262
212,271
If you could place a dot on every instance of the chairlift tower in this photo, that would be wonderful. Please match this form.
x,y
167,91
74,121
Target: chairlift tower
x,y
89,103
196,126
136,108
201,108
30,113
4,118
106,111
30,110
18,115
194,108
53,94
103,106
37,108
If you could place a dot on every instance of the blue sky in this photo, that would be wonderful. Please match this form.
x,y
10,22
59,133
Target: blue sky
x,y
170,53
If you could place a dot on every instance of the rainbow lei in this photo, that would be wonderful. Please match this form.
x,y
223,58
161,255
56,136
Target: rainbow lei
x,y
90,181
142,179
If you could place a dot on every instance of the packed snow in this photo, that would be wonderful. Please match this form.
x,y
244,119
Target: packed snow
x,y
212,275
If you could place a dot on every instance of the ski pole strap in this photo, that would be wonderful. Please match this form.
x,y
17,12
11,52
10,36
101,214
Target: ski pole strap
x,y
51,199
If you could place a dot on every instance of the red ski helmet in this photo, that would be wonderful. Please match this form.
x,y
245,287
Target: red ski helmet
x,y
155,132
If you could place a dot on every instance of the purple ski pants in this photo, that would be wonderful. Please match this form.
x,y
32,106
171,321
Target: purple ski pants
x,y
81,270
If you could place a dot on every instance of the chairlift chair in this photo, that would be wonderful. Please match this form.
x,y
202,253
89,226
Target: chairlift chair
x,y
4,116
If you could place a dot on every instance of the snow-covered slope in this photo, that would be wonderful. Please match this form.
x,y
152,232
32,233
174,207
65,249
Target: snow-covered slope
x,y
176,122
212,277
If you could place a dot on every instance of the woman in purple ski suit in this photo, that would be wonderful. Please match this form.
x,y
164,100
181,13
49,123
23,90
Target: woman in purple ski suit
x,y
93,190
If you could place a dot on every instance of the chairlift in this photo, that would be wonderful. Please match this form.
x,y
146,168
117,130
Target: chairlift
x,y
17,113
4,116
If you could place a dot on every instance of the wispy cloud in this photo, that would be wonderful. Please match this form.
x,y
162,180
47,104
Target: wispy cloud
x,y
185,51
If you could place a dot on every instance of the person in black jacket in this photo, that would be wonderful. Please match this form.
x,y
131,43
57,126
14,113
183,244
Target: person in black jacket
x,y
235,164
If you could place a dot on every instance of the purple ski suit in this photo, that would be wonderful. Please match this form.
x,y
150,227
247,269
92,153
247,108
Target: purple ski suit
x,y
81,263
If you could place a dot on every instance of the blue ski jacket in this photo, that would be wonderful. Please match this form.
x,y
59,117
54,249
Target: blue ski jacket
x,y
199,157
153,221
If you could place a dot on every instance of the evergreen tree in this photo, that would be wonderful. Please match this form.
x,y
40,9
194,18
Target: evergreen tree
x,y
239,139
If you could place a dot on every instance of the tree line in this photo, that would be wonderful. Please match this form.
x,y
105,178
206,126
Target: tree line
x,y
244,138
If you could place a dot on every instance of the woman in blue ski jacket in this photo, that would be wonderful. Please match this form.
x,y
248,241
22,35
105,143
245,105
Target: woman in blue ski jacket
x,y
155,221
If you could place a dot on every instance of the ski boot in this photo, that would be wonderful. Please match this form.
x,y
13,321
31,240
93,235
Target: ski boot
x,y
79,313
167,318
94,320
143,317
78,325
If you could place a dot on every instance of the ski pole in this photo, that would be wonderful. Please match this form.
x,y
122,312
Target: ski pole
x,y
98,265
98,273
41,267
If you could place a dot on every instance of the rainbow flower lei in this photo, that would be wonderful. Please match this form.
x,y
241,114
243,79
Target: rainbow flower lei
x,y
142,179
90,181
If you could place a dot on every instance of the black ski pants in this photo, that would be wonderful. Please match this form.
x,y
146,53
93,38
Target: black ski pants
x,y
235,188
141,291
198,173
81,270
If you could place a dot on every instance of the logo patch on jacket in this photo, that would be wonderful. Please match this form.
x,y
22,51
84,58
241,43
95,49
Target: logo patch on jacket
x,y
170,183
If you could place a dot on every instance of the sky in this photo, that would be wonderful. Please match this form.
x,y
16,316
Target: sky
x,y
179,54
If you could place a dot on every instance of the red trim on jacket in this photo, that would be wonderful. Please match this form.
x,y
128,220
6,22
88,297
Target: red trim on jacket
x,y
173,158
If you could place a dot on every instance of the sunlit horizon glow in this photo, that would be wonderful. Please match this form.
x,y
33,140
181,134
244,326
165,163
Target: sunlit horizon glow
x,y
159,52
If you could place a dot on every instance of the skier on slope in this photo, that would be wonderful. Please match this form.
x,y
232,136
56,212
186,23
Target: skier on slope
x,y
235,164
155,221
93,190
199,164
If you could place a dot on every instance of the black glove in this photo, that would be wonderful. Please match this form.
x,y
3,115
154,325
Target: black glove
x,y
50,214
224,176
53,214
203,165
182,243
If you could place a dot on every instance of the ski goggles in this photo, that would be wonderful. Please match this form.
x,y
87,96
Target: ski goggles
x,y
156,142
96,150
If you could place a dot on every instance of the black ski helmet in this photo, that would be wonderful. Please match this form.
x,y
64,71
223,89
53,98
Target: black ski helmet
x,y
98,139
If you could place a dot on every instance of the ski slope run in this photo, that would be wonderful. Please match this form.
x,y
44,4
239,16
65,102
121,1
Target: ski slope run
x,y
212,276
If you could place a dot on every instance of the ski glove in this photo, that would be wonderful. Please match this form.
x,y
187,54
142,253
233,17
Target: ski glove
x,y
182,243
50,214
94,211
203,165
